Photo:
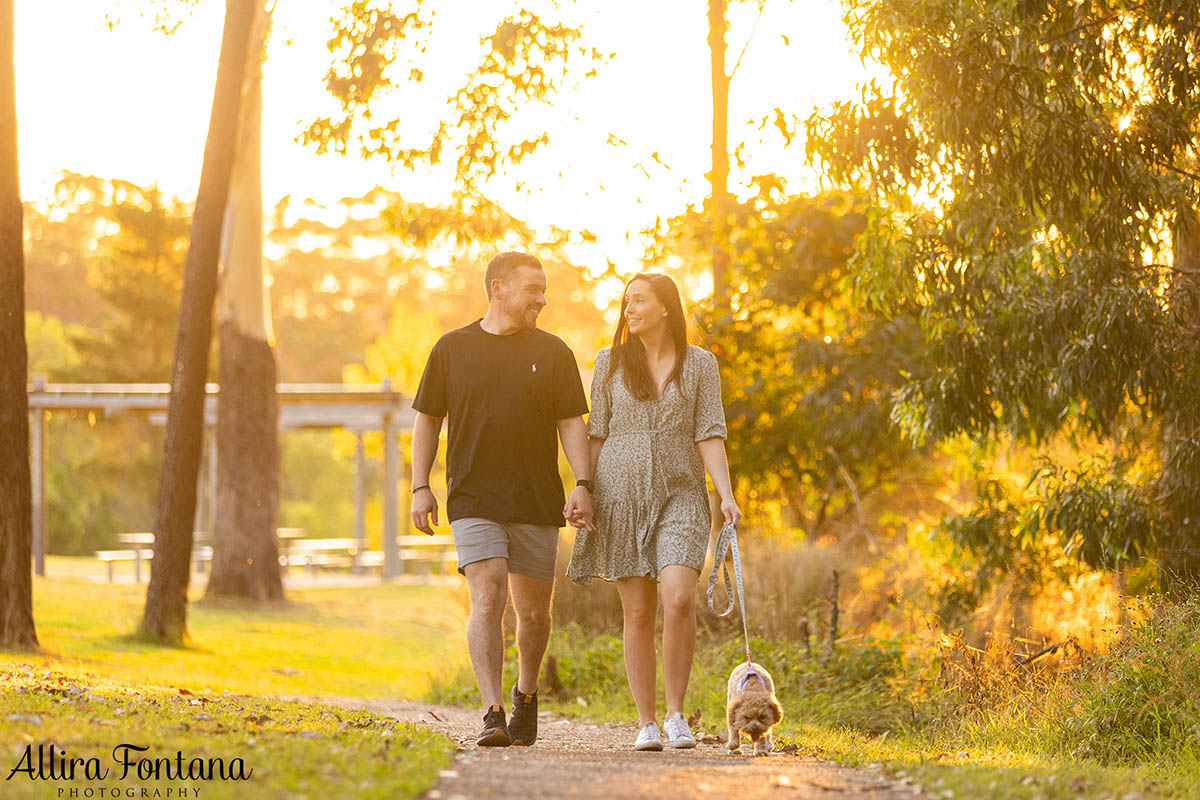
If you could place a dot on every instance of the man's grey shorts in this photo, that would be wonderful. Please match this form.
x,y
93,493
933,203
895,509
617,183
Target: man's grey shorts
x,y
530,549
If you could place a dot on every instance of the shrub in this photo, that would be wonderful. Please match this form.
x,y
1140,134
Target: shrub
x,y
1141,701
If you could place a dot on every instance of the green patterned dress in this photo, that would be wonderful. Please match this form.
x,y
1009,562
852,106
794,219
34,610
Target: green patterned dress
x,y
650,499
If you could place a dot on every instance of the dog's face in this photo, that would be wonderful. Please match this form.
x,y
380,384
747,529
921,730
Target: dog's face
x,y
754,713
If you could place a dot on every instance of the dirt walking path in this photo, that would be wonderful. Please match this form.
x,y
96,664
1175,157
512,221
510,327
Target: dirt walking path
x,y
577,759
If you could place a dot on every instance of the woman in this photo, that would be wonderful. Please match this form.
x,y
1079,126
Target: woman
x,y
656,425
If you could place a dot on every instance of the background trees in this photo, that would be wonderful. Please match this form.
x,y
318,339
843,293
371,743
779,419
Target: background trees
x,y
1032,172
808,374
245,549
165,614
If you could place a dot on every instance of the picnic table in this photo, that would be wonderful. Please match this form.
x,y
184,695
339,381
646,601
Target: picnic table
x,y
143,549
295,549
349,553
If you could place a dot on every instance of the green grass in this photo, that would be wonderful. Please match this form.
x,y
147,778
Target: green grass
x,y
287,749
93,686
367,641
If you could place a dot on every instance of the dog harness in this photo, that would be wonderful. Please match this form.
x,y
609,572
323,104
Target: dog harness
x,y
750,673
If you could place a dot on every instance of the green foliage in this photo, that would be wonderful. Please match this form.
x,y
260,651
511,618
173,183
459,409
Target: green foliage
x,y
808,373
526,60
1106,521
48,342
860,684
1064,520
1032,170
316,489
105,268
1140,702
136,269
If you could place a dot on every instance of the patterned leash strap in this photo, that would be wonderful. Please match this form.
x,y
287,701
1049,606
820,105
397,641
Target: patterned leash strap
x,y
727,542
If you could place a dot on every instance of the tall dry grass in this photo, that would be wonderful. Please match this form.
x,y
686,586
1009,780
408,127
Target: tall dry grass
x,y
887,588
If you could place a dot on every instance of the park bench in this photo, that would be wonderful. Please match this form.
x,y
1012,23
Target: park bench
x,y
418,554
426,551
347,554
111,557
430,551
143,549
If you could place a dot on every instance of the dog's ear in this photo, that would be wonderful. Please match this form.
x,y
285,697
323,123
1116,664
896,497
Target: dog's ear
x,y
776,710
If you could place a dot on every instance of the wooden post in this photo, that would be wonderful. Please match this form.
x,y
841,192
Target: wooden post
x,y
38,431
391,500
212,480
833,615
201,479
407,516
360,496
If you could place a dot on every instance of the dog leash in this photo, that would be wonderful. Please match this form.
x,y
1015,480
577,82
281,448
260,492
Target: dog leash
x,y
727,542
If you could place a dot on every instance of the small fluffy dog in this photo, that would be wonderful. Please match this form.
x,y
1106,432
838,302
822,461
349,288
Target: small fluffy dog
x,y
751,707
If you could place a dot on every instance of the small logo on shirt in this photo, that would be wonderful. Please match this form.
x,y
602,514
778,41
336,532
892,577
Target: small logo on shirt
x,y
533,368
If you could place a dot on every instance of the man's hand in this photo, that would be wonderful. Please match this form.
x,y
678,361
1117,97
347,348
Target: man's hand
x,y
578,509
423,505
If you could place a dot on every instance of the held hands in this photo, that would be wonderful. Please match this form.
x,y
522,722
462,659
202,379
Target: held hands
x,y
578,509
423,505
733,514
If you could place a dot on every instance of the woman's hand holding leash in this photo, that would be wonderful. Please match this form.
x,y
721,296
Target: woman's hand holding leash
x,y
733,514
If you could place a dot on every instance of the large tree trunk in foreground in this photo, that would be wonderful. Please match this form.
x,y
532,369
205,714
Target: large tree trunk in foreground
x,y
16,499
1179,552
165,617
719,177
245,551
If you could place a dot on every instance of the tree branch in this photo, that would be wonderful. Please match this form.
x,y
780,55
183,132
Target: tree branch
x,y
762,6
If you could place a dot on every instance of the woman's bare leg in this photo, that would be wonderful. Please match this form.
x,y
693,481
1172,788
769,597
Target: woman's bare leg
x,y
678,584
639,598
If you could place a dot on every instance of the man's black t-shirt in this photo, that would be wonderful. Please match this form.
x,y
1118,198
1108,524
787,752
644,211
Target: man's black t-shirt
x,y
503,396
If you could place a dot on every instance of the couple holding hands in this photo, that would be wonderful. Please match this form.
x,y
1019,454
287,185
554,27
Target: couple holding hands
x,y
640,504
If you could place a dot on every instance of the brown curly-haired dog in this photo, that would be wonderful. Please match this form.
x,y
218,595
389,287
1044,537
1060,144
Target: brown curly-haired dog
x,y
751,707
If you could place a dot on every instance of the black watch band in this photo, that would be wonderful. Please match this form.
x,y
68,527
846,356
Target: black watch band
x,y
585,483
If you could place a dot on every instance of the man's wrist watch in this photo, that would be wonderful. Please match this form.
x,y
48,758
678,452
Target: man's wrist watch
x,y
585,483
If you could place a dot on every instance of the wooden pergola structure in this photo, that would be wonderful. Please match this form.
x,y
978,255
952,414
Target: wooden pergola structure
x,y
358,409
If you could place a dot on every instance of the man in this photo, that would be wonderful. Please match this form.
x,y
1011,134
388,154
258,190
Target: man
x,y
507,388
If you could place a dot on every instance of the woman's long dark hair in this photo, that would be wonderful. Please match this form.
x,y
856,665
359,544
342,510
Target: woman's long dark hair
x,y
629,353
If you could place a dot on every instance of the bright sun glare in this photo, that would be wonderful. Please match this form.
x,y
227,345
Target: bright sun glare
x,y
133,104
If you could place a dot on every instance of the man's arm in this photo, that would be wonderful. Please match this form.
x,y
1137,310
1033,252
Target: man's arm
x,y
426,431
573,433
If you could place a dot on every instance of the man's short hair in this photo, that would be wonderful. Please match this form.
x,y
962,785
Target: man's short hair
x,y
502,266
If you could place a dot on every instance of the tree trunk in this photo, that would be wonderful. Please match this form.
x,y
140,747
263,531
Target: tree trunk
x,y
1179,551
719,177
245,551
165,616
16,499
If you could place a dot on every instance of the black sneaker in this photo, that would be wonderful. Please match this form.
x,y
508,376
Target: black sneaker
x,y
495,732
523,726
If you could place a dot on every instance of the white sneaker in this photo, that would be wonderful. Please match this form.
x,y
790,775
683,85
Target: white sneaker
x,y
648,738
678,735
